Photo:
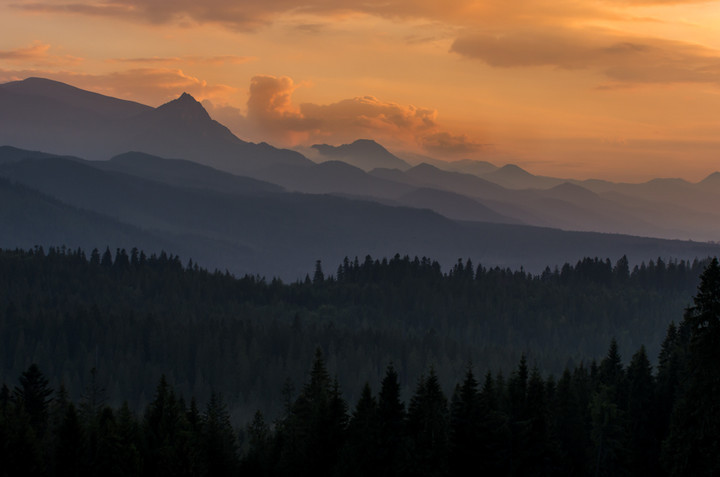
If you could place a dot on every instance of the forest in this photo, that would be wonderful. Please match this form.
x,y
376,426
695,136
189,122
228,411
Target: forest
x,y
601,419
137,365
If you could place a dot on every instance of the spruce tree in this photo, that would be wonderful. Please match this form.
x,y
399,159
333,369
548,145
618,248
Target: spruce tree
x,y
694,438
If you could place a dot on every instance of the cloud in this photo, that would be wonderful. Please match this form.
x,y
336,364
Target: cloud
x,y
620,58
187,60
370,113
251,14
37,53
144,85
270,106
271,113
447,144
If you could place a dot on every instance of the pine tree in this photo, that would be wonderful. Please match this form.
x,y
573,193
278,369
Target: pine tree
x,y
391,416
33,395
257,459
219,441
694,437
465,416
428,428
361,452
312,433
69,450
166,437
643,438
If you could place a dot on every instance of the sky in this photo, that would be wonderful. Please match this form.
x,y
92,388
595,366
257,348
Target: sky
x,y
624,90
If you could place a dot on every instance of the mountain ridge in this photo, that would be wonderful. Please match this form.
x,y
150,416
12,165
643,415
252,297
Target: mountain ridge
x,y
365,154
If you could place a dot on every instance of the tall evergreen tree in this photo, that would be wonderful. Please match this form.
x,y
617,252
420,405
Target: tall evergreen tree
x,y
219,443
33,395
69,450
428,428
641,417
465,419
391,416
361,452
694,438
166,437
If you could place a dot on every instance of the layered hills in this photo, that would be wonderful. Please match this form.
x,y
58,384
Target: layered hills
x,y
193,186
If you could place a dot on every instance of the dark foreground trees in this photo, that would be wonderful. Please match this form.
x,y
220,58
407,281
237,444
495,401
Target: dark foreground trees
x,y
599,418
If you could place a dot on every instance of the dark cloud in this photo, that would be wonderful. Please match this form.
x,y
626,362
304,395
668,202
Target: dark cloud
x,y
621,58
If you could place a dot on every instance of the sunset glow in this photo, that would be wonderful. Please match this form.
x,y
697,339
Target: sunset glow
x,y
620,90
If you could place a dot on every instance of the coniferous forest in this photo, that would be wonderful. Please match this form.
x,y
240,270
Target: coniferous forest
x,y
127,364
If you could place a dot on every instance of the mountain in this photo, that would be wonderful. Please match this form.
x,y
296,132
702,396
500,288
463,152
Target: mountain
x,y
13,154
363,153
331,177
282,234
39,89
47,115
183,129
453,206
184,173
29,218
511,176
711,183
37,114
665,193
467,166
426,175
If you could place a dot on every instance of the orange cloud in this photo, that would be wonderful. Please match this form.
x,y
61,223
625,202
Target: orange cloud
x,y
271,108
250,14
370,113
271,112
37,53
188,60
621,58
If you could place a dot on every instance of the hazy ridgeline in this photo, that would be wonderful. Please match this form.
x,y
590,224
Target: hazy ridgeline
x,y
134,318
605,418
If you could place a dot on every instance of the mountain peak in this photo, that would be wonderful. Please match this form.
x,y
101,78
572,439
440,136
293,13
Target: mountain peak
x,y
514,169
714,177
368,143
363,153
185,107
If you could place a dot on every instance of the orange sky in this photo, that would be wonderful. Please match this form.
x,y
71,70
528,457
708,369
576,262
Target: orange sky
x,y
614,89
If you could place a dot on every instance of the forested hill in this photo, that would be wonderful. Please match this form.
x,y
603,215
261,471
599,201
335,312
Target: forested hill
x,y
134,318
602,419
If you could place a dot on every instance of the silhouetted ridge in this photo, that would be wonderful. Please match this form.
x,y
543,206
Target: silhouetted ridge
x,y
45,90
13,154
364,153
366,146
569,190
513,169
712,180
185,107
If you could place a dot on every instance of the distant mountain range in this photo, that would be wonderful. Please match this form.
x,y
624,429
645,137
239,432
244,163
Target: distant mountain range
x,y
46,115
194,188
229,222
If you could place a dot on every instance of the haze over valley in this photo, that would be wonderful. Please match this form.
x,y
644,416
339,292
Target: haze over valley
x,y
385,238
